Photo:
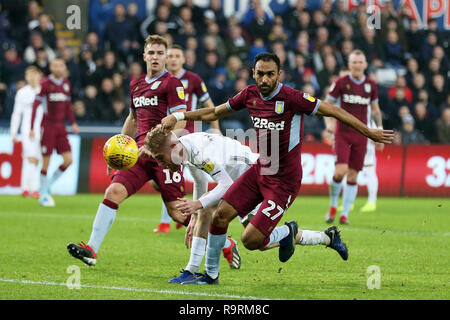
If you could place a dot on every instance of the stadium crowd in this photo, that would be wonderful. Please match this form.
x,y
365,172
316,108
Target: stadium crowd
x,y
313,46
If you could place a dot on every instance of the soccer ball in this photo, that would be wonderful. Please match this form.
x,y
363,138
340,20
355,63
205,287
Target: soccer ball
x,y
120,152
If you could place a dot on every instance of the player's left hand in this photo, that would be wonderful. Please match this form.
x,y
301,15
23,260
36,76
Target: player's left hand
x,y
381,135
188,207
75,128
144,152
168,123
190,232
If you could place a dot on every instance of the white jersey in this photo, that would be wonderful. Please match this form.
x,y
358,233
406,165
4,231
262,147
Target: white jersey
x,y
21,117
23,107
370,158
222,158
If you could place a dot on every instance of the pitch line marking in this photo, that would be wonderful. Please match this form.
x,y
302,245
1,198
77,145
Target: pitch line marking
x,y
187,293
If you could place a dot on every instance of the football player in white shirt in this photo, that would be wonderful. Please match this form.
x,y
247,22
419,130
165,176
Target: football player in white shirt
x,y
224,160
21,117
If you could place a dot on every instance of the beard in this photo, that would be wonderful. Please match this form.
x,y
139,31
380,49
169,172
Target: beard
x,y
265,90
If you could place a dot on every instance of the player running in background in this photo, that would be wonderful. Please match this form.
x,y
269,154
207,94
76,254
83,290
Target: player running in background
x,y
274,180
195,92
55,97
153,97
224,160
21,117
353,92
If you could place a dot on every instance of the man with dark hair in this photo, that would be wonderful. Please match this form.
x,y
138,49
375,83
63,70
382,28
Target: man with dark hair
x,y
274,180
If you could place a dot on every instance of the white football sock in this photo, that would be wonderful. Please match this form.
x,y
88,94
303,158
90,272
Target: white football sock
x,y
165,217
335,190
102,223
213,252
43,182
198,250
58,173
278,234
372,183
313,238
348,198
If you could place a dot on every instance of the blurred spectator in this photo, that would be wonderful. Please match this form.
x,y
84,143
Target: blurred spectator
x,y
34,10
234,64
12,67
119,88
36,42
135,21
107,69
92,103
106,97
5,26
120,35
400,84
236,44
327,72
74,70
427,47
209,69
219,88
87,66
394,50
372,48
213,31
412,68
410,135
191,61
196,13
42,61
101,12
79,111
119,113
148,26
443,127
45,28
92,44
136,71
260,26
258,46
438,90
292,17
313,125
415,38
237,120
424,122
215,6
418,85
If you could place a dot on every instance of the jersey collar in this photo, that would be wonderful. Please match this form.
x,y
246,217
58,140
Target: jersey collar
x,y
57,82
183,71
277,90
155,78
356,81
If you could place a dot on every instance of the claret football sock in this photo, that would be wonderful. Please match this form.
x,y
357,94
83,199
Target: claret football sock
x,y
104,219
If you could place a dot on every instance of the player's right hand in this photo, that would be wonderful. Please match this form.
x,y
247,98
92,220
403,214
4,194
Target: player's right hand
x,y
15,139
168,123
31,134
381,135
144,152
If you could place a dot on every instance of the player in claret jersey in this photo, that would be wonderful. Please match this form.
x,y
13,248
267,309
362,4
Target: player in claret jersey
x,y
274,180
195,93
153,96
355,93
55,97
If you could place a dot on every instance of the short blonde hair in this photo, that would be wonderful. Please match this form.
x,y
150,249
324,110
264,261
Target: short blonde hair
x,y
156,39
156,139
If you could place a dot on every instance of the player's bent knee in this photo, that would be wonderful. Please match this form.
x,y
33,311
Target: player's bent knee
x,y
116,193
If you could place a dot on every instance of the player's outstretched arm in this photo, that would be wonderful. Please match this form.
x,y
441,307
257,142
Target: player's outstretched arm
x,y
204,114
130,125
377,135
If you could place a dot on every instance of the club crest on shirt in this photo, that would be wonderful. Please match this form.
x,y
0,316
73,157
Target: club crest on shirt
x,y
347,86
155,85
136,89
180,91
66,87
367,87
208,165
185,83
279,107
308,97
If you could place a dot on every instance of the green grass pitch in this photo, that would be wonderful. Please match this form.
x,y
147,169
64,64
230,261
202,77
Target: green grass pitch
x,y
407,239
